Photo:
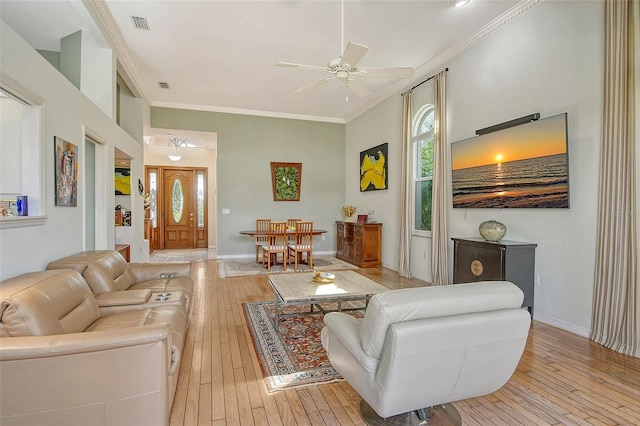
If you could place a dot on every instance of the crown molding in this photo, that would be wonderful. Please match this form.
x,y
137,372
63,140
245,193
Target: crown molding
x,y
500,21
241,111
101,14
439,60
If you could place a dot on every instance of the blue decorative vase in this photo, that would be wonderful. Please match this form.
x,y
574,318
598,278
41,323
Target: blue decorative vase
x,y
22,202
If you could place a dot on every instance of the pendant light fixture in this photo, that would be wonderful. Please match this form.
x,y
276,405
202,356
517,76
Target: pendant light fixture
x,y
174,145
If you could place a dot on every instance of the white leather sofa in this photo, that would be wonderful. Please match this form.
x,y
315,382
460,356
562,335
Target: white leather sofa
x,y
421,347
112,279
63,362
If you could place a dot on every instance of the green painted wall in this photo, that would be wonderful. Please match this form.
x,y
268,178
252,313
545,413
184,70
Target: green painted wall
x,y
52,57
246,147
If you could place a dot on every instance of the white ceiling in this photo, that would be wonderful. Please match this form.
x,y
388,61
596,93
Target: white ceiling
x,y
221,55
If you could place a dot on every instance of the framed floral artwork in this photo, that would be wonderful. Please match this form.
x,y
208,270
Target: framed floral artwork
x,y
285,179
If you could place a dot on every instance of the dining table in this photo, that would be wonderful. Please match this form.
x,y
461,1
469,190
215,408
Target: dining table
x,y
254,233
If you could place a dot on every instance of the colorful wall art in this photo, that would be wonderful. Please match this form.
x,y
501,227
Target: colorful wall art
x,y
373,168
66,169
286,179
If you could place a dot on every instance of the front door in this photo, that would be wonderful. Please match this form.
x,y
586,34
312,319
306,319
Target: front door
x,y
179,209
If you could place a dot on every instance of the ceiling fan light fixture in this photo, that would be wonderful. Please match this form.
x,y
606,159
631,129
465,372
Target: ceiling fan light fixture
x,y
345,67
459,3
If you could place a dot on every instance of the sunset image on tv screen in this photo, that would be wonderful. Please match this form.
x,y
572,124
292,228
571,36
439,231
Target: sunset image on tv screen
x,y
525,166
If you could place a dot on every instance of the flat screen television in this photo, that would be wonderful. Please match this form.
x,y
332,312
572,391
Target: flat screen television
x,y
526,166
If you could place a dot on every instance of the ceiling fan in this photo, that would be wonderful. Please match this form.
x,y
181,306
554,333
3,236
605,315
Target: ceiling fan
x,y
345,68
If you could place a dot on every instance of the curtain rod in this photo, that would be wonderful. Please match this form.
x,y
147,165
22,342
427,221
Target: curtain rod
x,y
422,82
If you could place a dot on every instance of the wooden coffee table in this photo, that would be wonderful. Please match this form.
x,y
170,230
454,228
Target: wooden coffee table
x,y
300,289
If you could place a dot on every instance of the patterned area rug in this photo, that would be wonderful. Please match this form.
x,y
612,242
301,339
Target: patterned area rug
x,y
293,356
244,267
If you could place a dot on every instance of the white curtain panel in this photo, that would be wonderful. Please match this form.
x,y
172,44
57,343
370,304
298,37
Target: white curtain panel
x,y
407,187
439,265
615,317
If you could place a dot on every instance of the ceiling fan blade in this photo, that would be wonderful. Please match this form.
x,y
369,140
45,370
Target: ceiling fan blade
x,y
291,65
313,85
391,72
352,54
358,88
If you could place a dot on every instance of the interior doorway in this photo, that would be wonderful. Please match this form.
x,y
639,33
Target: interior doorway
x,y
177,217
90,194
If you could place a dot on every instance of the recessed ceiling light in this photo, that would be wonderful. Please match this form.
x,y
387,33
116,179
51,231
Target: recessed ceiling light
x,y
459,3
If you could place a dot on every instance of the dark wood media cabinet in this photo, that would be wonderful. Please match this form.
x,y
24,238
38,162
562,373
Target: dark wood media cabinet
x,y
360,243
475,259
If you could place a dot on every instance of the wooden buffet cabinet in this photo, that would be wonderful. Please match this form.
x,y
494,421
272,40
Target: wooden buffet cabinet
x,y
475,259
360,243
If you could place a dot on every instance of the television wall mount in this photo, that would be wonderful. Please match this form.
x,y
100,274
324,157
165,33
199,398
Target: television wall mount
x,y
511,123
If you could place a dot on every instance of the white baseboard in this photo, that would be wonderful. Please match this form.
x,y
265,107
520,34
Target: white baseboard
x,y
580,331
236,256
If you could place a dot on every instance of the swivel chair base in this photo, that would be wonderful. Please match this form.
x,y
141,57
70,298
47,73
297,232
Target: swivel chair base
x,y
440,415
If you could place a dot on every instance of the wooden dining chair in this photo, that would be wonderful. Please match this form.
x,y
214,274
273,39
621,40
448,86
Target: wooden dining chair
x,y
277,243
291,226
262,225
302,243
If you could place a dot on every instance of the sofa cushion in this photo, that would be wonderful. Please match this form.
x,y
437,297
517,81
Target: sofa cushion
x,y
409,304
46,303
104,270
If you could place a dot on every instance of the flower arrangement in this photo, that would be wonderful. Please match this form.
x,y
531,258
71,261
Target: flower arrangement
x,y
349,211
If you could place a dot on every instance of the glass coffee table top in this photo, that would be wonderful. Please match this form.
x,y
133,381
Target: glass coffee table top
x,y
301,287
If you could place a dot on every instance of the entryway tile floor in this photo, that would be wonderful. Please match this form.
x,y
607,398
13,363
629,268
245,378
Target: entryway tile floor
x,y
182,255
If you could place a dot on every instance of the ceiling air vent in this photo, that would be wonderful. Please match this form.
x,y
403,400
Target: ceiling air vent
x,y
163,84
140,23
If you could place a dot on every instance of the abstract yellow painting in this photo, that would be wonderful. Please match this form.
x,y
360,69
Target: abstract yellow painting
x,y
373,168
123,181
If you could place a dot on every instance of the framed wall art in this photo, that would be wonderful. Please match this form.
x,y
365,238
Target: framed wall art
x,y
373,168
525,166
285,179
66,173
123,180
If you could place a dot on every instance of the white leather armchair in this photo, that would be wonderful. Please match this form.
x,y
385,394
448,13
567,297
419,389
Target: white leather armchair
x,y
423,347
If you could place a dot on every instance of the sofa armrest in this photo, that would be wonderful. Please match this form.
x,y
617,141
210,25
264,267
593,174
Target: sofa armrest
x,y
155,271
29,347
346,328
112,378
124,297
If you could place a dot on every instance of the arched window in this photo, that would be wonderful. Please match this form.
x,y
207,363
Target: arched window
x,y
422,141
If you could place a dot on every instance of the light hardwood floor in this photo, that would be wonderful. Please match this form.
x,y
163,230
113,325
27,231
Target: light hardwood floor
x,y
562,378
